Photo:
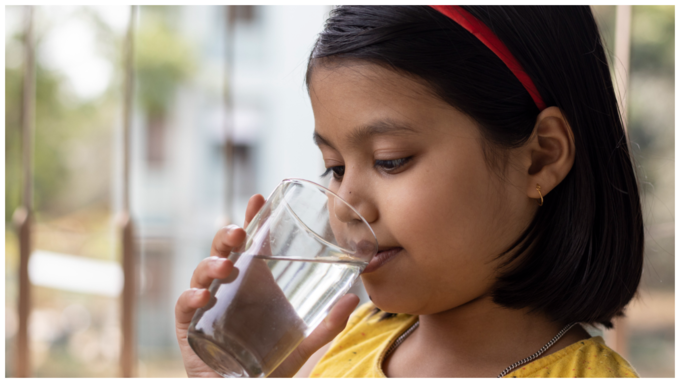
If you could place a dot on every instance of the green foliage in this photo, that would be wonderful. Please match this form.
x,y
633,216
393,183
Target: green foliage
x,y
60,123
12,142
653,39
651,88
651,85
48,163
163,59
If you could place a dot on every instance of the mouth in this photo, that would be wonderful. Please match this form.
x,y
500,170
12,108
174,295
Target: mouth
x,y
383,256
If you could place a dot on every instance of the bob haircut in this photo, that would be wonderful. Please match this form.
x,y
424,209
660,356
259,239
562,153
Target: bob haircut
x,y
582,255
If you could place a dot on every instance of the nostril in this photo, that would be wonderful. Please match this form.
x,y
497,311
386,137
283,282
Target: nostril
x,y
353,207
343,212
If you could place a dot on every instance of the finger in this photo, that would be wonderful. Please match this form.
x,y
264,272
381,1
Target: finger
x,y
335,322
226,239
331,326
186,306
255,203
209,269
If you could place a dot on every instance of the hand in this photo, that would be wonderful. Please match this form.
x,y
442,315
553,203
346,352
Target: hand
x,y
335,322
217,266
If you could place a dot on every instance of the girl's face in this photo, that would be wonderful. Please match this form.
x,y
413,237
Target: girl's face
x,y
414,167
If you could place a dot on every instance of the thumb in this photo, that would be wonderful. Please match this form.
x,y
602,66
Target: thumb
x,y
326,331
334,323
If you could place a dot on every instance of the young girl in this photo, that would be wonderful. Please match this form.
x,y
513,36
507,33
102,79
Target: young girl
x,y
485,148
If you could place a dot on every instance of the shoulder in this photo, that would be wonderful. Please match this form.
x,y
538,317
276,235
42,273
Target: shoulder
x,y
357,350
588,358
361,314
368,326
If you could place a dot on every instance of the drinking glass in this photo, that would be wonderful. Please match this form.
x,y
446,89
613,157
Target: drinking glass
x,y
303,250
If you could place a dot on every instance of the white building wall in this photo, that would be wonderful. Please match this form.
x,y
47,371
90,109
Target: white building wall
x,y
183,201
284,147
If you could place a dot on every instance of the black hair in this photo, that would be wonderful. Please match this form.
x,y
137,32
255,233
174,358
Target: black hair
x,y
580,259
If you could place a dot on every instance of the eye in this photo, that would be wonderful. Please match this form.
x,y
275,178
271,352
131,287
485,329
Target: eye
x,y
392,165
338,172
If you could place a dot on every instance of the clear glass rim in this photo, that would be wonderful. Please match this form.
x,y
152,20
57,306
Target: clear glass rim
x,y
326,190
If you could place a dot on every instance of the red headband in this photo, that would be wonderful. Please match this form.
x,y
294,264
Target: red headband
x,y
486,36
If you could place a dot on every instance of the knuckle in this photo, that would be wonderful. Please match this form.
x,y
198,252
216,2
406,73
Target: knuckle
x,y
205,265
204,262
300,355
182,301
214,267
229,228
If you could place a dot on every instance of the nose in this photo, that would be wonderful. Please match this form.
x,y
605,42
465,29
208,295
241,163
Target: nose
x,y
360,202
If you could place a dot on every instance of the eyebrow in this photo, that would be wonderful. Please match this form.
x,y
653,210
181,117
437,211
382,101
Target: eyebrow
x,y
381,127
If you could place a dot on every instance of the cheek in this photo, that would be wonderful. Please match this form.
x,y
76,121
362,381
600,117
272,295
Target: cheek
x,y
453,207
445,217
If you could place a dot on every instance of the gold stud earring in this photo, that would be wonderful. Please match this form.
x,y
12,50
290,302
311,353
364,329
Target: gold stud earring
x,y
538,188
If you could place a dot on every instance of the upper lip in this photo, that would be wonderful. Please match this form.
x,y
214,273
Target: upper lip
x,y
384,248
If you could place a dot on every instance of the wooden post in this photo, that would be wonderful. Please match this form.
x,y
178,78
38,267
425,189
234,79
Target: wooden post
x,y
128,350
229,20
23,216
23,221
617,338
124,220
622,61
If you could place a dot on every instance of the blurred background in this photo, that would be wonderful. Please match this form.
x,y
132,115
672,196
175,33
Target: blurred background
x,y
215,109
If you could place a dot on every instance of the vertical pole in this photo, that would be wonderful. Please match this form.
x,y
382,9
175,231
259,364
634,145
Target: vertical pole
x,y
617,338
622,54
124,220
127,354
23,216
229,20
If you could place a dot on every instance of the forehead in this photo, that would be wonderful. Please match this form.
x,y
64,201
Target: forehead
x,y
355,99
344,81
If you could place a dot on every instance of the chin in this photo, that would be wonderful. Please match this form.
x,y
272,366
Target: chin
x,y
387,299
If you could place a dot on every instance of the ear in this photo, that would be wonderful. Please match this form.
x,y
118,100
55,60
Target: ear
x,y
551,150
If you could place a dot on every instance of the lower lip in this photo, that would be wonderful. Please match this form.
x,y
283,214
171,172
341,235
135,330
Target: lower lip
x,y
380,259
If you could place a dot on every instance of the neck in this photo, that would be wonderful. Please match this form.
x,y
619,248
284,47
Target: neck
x,y
483,335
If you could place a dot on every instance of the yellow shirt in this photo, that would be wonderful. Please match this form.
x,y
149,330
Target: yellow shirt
x,y
358,352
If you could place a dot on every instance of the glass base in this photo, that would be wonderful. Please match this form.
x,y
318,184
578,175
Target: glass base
x,y
232,361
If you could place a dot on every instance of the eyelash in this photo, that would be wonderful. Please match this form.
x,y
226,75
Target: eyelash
x,y
387,165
